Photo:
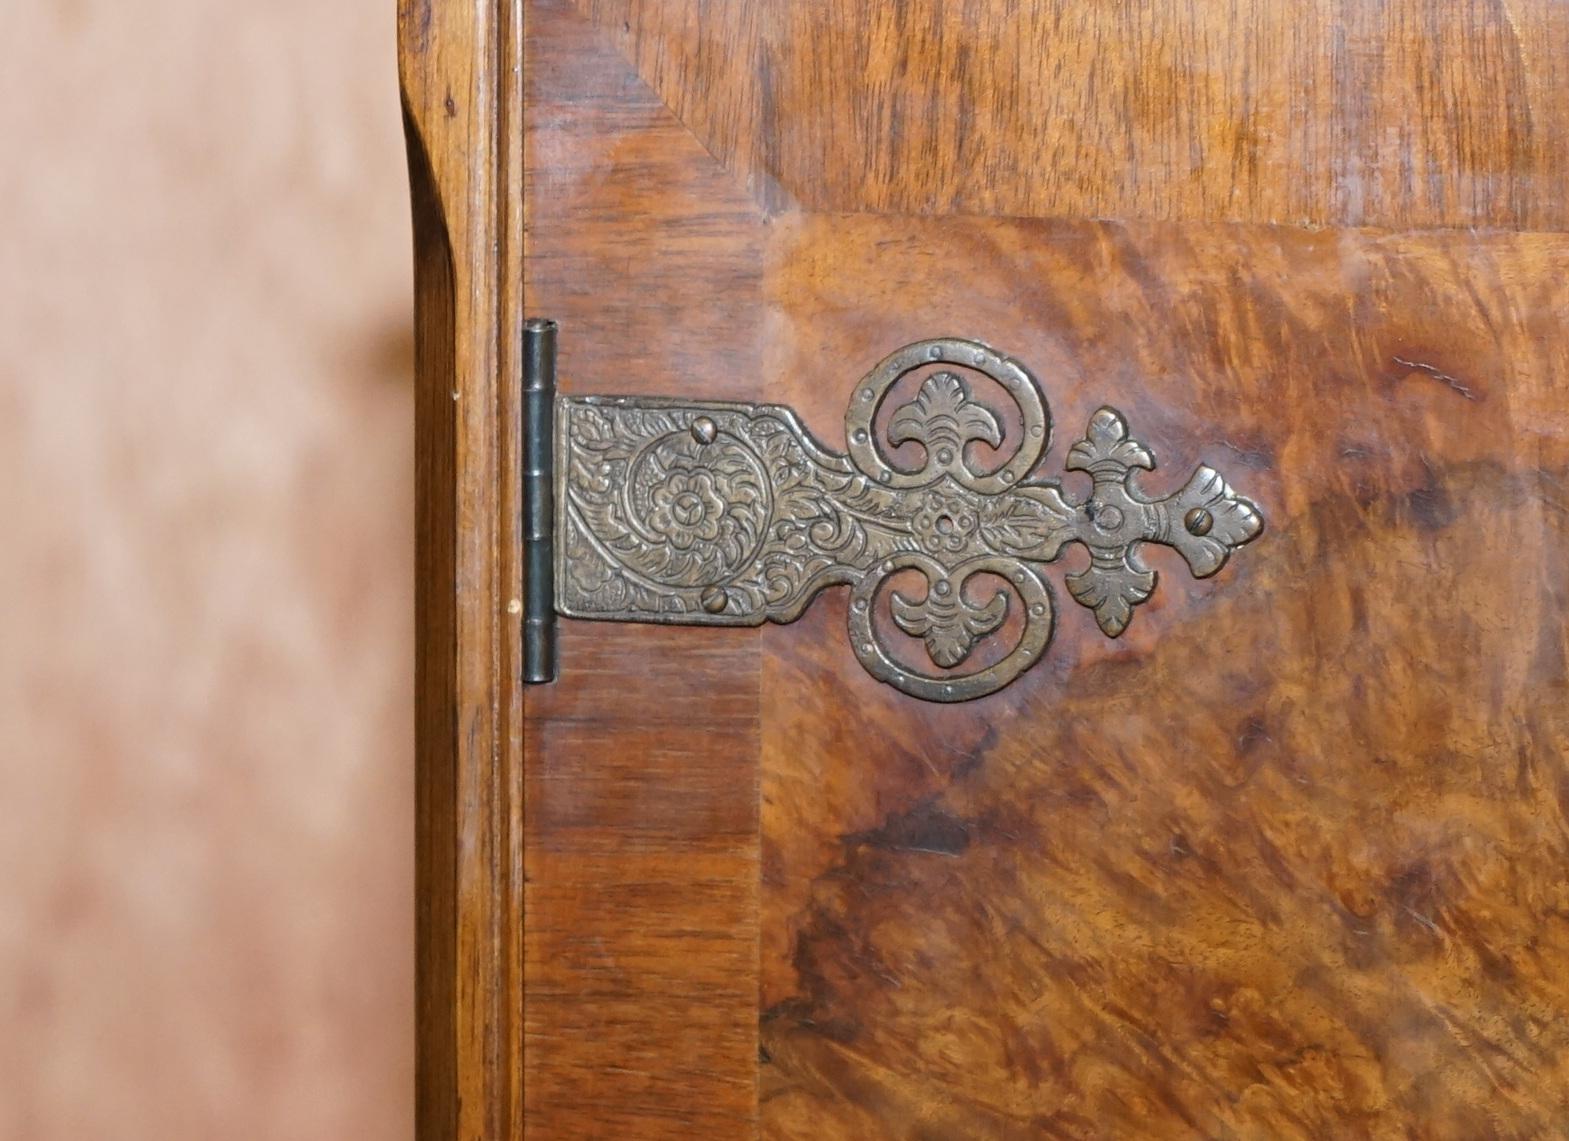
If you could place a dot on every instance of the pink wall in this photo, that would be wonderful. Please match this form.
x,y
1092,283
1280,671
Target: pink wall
x,y
205,573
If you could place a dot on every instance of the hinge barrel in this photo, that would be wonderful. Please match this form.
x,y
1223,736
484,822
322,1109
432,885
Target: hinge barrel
x,y
539,465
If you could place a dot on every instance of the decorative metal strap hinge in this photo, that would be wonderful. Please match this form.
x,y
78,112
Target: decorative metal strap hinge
x,y
688,512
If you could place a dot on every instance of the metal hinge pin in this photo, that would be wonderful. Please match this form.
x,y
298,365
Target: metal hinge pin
x,y
539,528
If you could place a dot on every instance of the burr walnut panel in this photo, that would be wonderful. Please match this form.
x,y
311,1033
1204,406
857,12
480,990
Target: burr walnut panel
x,y
1282,862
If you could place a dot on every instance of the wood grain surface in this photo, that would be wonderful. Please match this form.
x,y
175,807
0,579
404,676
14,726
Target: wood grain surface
x,y
1329,112
1285,860
640,792
459,70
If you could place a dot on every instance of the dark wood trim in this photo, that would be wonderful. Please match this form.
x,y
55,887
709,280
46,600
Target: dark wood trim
x,y
460,72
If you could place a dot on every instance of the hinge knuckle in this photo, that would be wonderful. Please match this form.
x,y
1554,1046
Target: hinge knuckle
x,y
539,557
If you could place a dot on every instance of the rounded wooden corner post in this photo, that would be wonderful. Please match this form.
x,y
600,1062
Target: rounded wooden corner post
x,y
460,78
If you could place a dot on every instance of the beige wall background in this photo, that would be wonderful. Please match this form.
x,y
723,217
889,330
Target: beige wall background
x,y
205,591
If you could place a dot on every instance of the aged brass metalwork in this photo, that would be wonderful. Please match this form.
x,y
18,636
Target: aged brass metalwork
x,y
539,558
707,513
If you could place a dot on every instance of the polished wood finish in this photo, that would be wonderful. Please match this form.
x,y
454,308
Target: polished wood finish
x,y
640,792
460,106
1283,861
1403,113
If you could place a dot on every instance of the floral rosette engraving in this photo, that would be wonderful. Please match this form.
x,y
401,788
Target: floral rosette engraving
x,y
945,522
687,509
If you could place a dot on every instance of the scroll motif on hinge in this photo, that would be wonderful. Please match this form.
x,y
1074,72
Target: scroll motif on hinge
x,y
685,512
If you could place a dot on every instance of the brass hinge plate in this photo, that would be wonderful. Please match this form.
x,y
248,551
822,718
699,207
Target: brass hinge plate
x,y
722,514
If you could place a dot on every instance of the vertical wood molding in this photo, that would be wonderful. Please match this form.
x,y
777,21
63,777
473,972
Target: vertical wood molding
x,y
460,70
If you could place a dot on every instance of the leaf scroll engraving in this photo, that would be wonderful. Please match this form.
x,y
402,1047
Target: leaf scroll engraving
x,y
943,418
949,622
733,514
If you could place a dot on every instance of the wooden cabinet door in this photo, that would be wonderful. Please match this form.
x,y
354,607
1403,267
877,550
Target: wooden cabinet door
x,y
1286,856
